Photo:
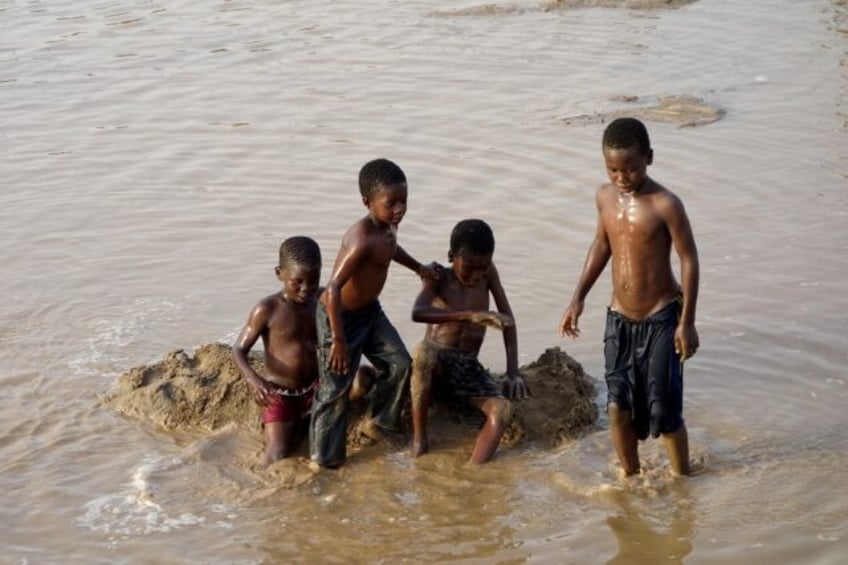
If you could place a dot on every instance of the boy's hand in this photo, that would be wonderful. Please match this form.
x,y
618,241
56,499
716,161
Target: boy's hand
x,y
568,325
432,271
262,391
492,319
514,387
339,360
686,341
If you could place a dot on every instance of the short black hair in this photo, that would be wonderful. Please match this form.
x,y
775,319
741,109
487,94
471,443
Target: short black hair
x,y
472,236
624,133
378,173
300,250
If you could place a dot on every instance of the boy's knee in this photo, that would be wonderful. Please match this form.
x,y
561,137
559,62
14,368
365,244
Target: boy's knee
x,y
423,363
505,411
276,450
498,410
617,415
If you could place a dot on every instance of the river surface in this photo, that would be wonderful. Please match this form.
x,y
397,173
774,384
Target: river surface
x,y
155,153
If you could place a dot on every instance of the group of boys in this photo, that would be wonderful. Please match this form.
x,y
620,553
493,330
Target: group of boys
x,y
314,337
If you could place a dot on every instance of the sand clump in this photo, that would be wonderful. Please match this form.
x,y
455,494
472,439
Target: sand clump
x,y
683,110
205,392
496,9
188,393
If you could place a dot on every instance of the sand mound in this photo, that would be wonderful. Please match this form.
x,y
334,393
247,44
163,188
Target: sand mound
x,y
683,110
180,392
205,392
563,403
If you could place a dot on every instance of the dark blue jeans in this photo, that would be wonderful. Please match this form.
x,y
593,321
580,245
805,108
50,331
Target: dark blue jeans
x,y
368,332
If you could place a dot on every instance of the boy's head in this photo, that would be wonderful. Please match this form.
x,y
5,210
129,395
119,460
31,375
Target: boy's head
x,y
627,133
383,188
627,153
300,268
378,174
472,244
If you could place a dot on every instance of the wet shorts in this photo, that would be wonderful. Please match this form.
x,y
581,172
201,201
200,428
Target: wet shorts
x,y
289,405
643,373
460,375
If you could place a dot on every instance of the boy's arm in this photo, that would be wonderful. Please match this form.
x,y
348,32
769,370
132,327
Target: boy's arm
x,y
423,310
596,259
515,385
431,271
686,340
256,323
349,260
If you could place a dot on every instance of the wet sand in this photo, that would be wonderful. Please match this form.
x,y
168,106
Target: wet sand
x,y
204,392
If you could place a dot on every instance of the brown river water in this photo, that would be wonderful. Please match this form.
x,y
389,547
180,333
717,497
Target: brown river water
x,y
155,153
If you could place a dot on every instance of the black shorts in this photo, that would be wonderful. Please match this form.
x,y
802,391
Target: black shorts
x,y
460,376
643,372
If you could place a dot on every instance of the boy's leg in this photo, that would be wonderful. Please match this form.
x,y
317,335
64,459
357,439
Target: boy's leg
x,y
362,382
624,438
677,446
279,420
423,364
386,351
621,391
279,441
328,426
664,389
497,411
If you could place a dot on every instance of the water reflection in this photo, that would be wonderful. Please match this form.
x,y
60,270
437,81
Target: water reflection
x,y
649,530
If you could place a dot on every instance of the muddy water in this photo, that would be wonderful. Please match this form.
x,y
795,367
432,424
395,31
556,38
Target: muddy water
x,y
155,153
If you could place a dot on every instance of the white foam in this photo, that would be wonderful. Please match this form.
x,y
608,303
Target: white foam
x,y
109,339
134,512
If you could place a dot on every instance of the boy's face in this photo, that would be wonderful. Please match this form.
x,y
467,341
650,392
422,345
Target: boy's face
x,y
470,268
627,168
388,205
299,282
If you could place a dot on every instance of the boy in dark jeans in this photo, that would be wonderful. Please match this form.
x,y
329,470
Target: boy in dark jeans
x,y
350,321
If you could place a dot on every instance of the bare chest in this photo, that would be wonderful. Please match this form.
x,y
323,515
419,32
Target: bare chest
x,y
293,324
457,297
628,217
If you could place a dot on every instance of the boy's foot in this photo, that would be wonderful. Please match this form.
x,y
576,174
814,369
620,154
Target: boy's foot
x,y
418,448
371,430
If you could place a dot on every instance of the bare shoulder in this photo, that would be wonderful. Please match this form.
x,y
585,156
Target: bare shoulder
x,y
605,195
447,290
357,231
265,309
359,236
493,277
665,201
272,304
442,287
354,242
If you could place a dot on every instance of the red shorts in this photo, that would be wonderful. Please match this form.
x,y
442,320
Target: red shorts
x,y
289,405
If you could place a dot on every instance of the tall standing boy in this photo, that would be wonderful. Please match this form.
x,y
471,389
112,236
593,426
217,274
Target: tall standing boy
x,y
351,322
456,310
650,325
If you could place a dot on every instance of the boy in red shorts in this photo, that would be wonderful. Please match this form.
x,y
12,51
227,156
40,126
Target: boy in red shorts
x,y
286,322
